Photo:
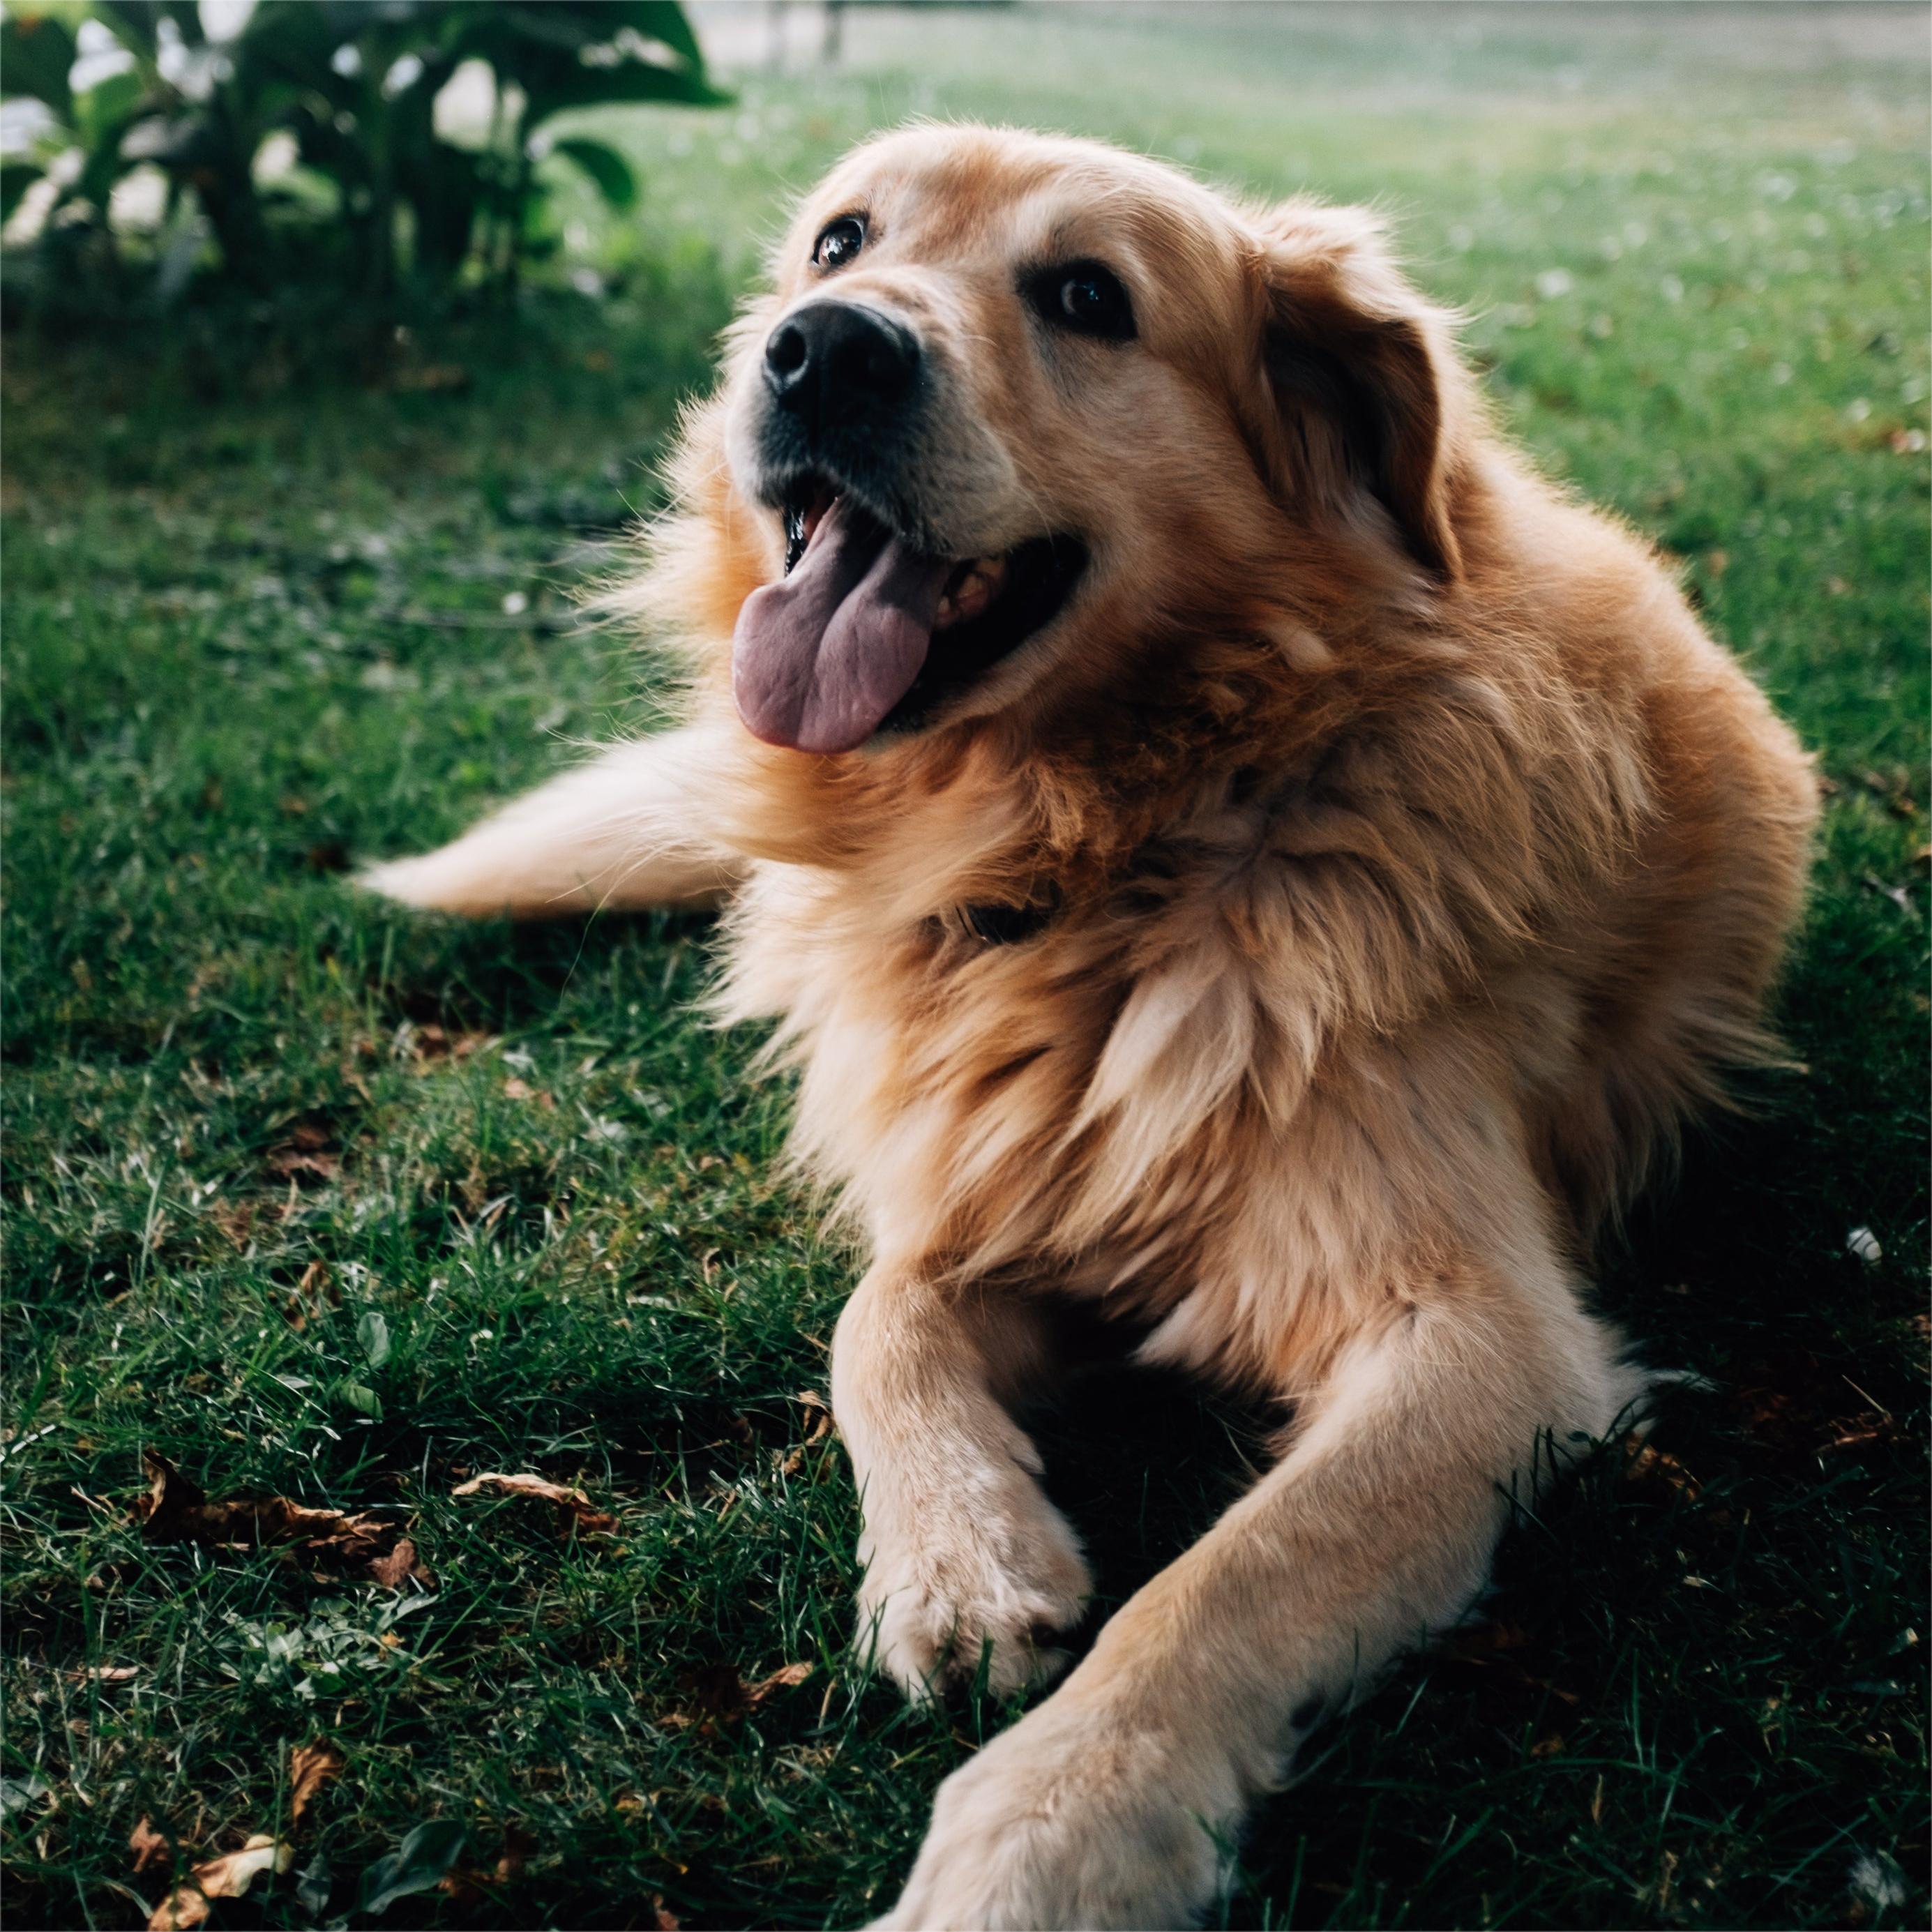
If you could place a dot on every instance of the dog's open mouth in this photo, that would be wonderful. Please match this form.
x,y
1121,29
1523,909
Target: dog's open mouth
x,y
866,633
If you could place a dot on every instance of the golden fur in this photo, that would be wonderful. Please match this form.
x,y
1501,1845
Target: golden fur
x,y
1415,862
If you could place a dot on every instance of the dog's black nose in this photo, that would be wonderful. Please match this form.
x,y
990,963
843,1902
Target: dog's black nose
x,y
833,362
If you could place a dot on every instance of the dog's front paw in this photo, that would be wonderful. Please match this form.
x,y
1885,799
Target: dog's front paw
x,y
1073,1818
999,1567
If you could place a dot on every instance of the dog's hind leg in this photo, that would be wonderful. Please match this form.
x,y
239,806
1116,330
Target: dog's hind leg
x,y
625,832
1116,1802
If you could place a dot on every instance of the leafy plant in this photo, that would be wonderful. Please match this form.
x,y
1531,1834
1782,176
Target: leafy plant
x,y
381,195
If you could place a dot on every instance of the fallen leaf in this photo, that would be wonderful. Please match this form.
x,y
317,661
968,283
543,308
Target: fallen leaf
x,y
664,1920
431,1042
469,1884
310,1767
1646,1463
235,1218
402,1565
517,1846
288,1161
1860,1432
573,1506
228,1876
781,1679
721,1696
106,1673
177,1509
1474,1642
147,1844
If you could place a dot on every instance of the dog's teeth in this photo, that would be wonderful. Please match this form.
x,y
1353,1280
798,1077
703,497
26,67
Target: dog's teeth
x,y
976,589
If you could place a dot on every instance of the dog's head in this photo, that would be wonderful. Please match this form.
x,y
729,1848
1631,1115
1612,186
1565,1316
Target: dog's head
x,y
1019,406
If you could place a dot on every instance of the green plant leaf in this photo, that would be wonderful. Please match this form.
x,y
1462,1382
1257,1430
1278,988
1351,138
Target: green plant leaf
x,y
611,174
372,1337
108,104
630,81
15,178
136,22
361,1398
662,20
416,1865
314,1884
36,57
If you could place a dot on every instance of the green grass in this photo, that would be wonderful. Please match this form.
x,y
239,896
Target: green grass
x,y
255,622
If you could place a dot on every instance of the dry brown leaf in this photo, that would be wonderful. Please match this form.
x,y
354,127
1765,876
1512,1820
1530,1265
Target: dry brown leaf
x,y
106,1673
517,1846
469,1884
435,1042
664,1919
235,1218
721,1696
1475,1643
1860,1432
781,1679
147,1844
317,1285
228,1876
1647,1463
288,1161
573,1506
310,1767
402,1565
177,1509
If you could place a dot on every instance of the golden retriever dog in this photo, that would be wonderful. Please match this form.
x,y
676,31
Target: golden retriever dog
x,y
1221,841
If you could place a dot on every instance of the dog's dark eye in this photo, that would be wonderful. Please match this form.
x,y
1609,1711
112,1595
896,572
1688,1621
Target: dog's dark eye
x,y
1085,298
841,240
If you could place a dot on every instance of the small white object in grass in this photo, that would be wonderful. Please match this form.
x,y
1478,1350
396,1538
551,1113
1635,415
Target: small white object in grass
x,y
515,605
1877,1883
1863,1242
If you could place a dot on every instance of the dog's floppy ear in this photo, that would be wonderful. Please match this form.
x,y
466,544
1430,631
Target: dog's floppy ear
x,y
1364,388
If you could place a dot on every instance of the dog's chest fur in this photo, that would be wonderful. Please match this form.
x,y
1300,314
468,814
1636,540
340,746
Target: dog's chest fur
x,y
1096,1092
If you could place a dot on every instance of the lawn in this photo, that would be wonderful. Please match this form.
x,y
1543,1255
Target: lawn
x,y
319,1201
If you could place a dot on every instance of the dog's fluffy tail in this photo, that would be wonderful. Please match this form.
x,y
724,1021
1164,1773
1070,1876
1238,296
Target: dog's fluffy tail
x,y
624,831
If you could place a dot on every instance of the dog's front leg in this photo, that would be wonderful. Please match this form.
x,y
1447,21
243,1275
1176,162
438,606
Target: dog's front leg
x,y
962,1550
1114,1802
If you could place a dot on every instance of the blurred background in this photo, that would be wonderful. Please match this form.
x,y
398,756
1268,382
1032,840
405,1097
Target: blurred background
x,y
342,339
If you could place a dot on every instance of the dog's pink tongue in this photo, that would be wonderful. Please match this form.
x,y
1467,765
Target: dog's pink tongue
x,y
819,658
